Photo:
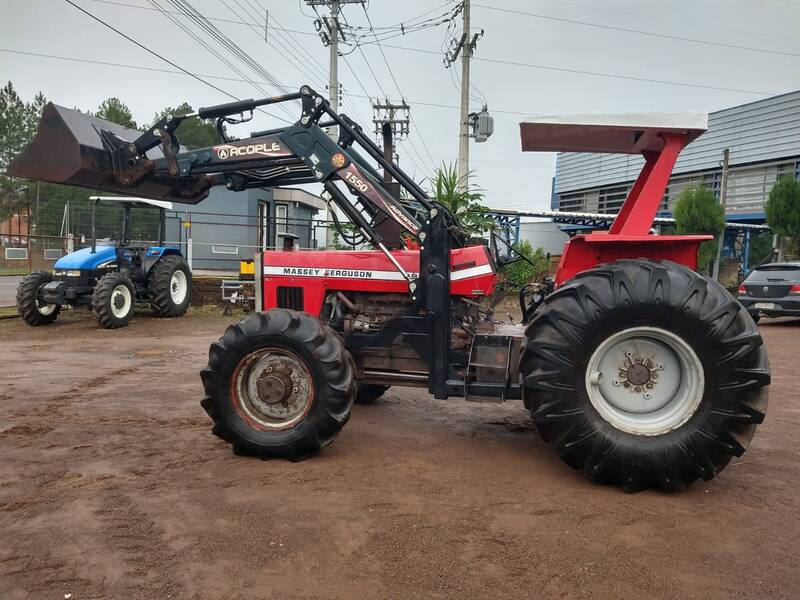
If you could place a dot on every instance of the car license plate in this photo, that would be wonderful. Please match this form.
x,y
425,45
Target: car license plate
x,y
765,305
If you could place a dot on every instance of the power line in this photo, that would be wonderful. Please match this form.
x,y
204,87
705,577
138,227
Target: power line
x,y
205,45
594,73
636,31
365,95
156,54
397,86
501,61
704,25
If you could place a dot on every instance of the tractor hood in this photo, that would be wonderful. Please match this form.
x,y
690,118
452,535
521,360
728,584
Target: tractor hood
x,y
86,259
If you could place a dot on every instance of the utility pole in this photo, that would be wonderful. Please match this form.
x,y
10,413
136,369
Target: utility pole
x,y
723,192
331,33
466,46
391,124
463,127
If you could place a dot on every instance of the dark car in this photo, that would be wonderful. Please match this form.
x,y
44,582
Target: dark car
x,y
772,290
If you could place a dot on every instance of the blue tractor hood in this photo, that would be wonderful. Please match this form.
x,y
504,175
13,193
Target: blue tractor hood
x,y
86,259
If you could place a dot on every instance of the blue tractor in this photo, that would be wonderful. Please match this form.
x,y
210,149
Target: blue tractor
x,y
110,278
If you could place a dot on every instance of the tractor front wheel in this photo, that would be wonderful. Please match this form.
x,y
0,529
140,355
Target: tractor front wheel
x,y
645,374
278,384
170,284
114,300
30,306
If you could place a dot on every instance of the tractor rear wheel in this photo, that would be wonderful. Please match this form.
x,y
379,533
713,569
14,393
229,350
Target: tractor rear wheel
x,y
170,285
370,392
29,303
114,300
279,384
645,374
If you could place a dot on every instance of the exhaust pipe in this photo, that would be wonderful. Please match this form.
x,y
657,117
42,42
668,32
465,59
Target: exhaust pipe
x,y
69,148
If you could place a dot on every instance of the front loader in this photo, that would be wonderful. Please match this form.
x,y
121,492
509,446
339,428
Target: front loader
x,y
637,370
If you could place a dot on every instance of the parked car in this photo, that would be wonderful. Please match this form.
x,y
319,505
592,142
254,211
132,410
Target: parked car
x,y
772,290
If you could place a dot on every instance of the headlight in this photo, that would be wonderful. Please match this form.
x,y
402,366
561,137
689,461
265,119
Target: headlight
x,y
72,273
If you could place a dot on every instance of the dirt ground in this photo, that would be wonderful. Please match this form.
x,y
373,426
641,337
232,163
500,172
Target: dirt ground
x,y
112,486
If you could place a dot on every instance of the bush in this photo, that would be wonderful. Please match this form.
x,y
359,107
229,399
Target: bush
x,y
783,212
698,211
521,272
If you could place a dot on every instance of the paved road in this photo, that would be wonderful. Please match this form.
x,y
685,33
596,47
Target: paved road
x,y
8,289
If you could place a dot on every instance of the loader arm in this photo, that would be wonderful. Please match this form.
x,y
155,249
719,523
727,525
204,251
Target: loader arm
x,y
76,149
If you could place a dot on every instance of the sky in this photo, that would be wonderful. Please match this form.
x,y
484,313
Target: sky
x,y
536,57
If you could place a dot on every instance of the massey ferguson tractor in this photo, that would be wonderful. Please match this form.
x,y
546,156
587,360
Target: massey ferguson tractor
x,y
637,370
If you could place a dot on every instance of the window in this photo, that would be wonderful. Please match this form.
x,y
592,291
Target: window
x,y
52,253
611,200
224,249
281,222
572,202
16,254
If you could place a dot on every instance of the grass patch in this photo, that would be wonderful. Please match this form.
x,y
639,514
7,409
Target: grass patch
x,y
13,271
8,311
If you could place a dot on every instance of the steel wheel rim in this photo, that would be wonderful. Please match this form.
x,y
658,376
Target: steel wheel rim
x,y
645,380
121,301
272,389
178,287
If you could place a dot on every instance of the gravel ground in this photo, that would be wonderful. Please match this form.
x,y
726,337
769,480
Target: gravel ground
x,y
112,486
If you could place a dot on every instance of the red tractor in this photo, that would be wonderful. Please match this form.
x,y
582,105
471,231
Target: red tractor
x,y
636,369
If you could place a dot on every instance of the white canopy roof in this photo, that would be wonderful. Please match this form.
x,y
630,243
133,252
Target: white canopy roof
x,y
166,205
629,133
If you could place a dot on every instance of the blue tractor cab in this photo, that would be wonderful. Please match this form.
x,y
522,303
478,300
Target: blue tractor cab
x,y
111,278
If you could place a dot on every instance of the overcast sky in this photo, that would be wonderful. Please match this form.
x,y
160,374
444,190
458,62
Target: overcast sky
x,y
752,51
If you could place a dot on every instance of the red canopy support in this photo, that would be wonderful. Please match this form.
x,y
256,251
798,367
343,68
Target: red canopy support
x,y
640,207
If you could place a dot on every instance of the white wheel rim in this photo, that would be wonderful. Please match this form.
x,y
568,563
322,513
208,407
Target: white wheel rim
x,y
121,301
645,380
44,309
178,286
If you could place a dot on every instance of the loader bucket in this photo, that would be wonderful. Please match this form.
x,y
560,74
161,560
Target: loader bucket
x,y
68,149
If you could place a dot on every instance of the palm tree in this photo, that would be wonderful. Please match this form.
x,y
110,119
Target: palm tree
x,y
463,201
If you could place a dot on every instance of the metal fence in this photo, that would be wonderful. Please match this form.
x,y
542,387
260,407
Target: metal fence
x,y
210,241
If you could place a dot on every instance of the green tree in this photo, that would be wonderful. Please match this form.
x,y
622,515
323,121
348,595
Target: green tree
x,y
116,111
698,211
521,272
18,122
192,133
465,204
783,213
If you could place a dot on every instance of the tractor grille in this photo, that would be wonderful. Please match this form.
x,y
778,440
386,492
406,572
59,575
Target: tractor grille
x,y
290,297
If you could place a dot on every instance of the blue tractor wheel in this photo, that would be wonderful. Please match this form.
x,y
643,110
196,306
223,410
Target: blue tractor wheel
x,y
170,286
30,306
114,300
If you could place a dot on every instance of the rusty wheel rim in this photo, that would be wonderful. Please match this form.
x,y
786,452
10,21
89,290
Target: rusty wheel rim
x,y
272,389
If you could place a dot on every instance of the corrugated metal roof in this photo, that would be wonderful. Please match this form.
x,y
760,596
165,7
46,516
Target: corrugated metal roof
x,y
759,131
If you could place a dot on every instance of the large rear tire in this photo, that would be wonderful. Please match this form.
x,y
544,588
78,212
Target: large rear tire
x,y
30,306
170,285
279,384
114,300
645,374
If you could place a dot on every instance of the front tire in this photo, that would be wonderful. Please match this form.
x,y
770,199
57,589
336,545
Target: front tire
x,y
278,384
114,300
170,285
30,306
645,374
